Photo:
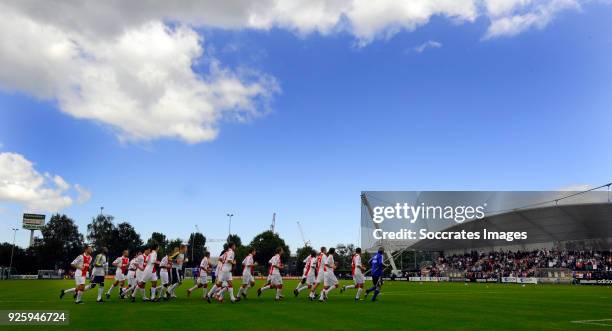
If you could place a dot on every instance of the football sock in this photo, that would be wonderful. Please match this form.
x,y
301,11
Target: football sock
x,y
231,292
212,291
100,292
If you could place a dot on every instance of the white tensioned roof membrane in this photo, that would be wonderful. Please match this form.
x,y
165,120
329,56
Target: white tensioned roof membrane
x,y
546,217
543,225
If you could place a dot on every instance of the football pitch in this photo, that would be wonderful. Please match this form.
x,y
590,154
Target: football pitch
x,y
402,305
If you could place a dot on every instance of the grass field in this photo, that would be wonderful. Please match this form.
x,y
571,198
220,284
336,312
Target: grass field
x,y
402,305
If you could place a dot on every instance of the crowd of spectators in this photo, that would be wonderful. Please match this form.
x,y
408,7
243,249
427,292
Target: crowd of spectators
x,y
520,263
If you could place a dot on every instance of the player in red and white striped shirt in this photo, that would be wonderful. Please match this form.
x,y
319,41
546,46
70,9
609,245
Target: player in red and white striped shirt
x,y
218,283
131,273
121,263
357,269
225,277
164,274
203,279
140,269
247,273
330,281
320,265
276,280
308,276
81,264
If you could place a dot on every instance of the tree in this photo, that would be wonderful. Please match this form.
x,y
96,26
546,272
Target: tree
x,y
344,257
161,241
174,243
265,244
60,244
197,243
240,253
124,237
21,263
235,239
100,231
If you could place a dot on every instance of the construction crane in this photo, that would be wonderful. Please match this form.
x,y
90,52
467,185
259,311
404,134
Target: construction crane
x,y
273,222
306,242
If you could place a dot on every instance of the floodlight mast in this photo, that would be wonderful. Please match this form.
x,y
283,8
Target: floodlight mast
x,y
388,252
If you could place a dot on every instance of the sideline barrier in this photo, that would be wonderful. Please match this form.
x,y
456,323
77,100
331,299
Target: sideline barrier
x,y
485,280
520,280
428,279
594,281
24,277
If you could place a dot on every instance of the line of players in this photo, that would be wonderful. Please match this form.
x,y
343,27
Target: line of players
x,y
143,268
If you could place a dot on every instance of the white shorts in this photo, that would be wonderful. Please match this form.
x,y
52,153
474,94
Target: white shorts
x,y
310,278
225,276
131,277
358,278
149,276
163,274
276,279
247,278
330,279
79,278
320,278
139,275
203,279
119,276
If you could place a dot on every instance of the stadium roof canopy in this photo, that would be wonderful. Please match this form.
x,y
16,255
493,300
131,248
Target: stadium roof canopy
x,y
547,217
543,225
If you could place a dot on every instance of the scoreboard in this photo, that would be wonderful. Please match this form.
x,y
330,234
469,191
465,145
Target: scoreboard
x,y
33,221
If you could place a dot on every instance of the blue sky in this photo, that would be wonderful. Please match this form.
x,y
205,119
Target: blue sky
x,y
524,112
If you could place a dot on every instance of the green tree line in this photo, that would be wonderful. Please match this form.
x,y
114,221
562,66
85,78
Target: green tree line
x,y
61,242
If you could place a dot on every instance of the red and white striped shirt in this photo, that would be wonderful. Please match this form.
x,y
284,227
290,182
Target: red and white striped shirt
x,y
307,265
356,264
248,265
275,265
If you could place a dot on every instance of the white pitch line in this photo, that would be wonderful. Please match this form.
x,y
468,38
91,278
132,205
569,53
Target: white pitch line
x,y
594,322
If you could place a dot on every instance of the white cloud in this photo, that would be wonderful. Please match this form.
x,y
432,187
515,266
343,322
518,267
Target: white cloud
x,y
504,7
371,19
511,17
130,66
140,82
83,194
426,45
21,183
365,19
